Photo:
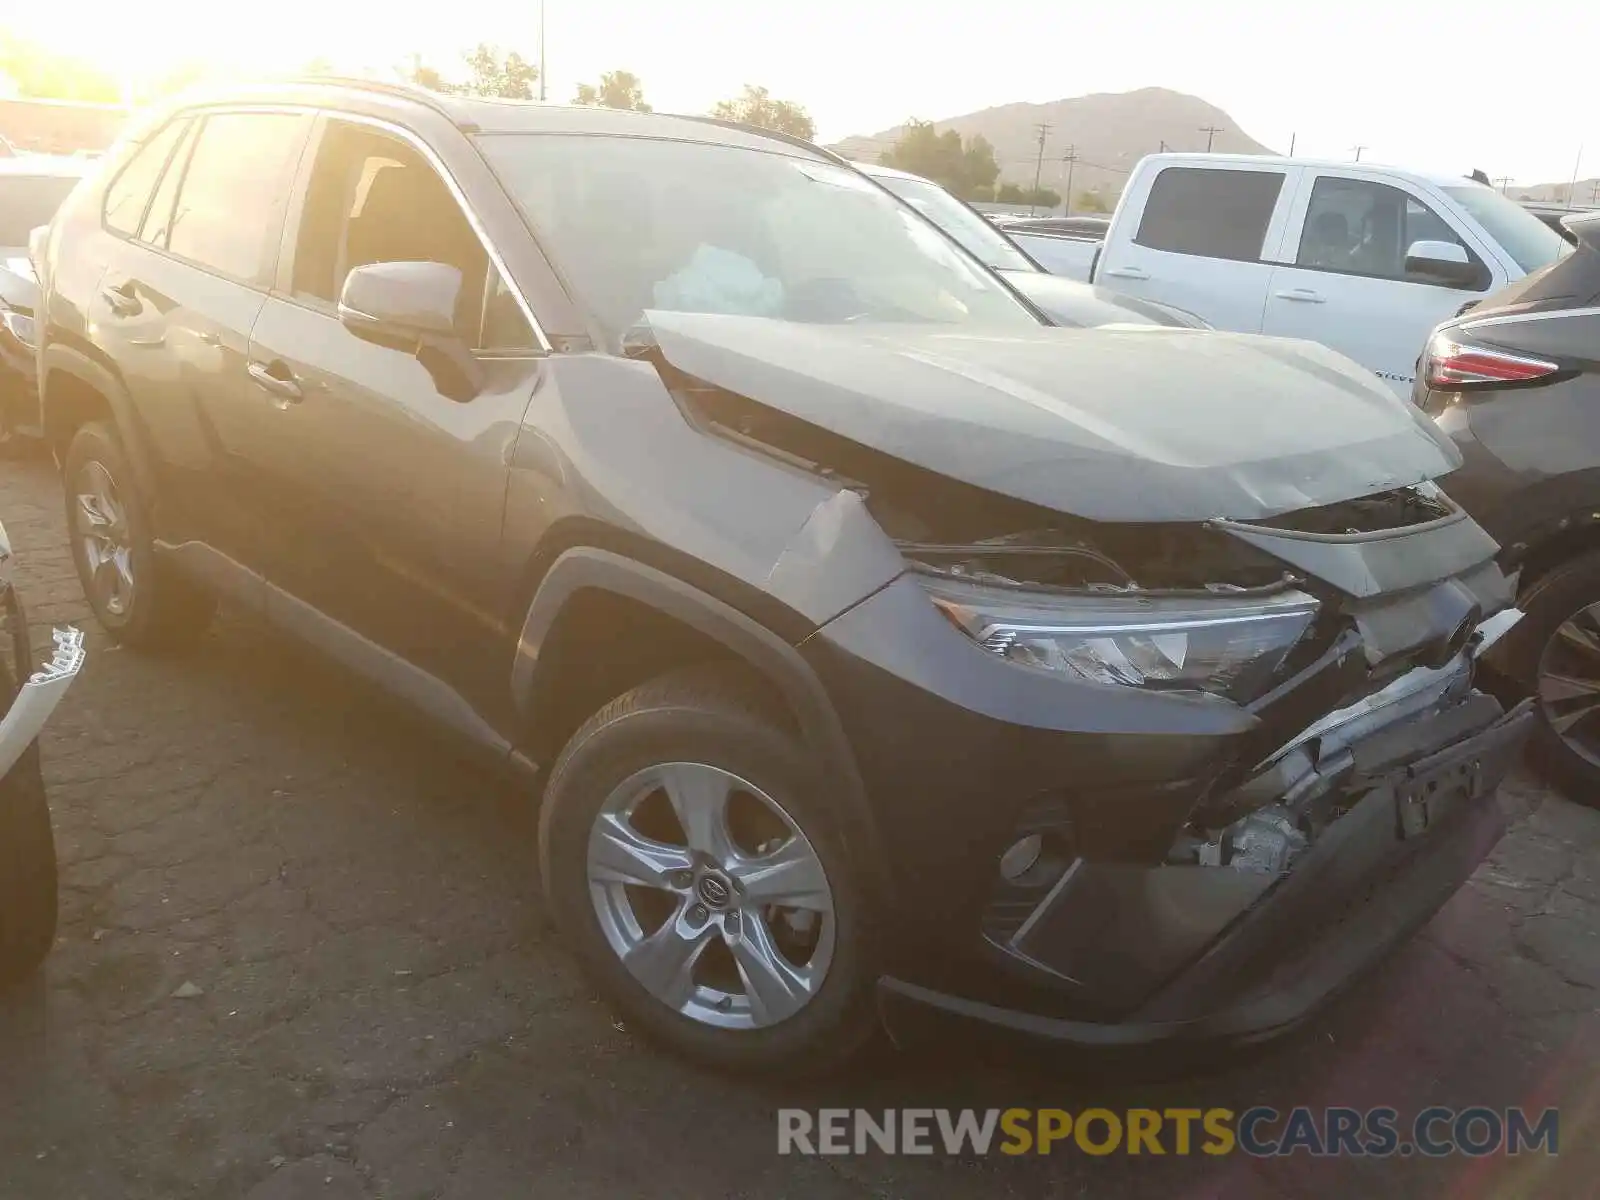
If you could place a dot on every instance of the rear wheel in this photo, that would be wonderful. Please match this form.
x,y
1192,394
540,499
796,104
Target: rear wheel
x,y
139,599
1553,653
27,865
689,860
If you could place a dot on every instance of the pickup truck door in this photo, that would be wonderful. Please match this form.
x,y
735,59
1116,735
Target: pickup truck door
x,y
1201,238
1343,280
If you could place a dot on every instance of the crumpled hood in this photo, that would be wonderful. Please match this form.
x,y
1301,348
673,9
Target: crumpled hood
x,y
1148,424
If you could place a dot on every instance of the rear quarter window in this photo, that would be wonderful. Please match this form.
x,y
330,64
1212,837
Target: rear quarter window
x,y
1210,212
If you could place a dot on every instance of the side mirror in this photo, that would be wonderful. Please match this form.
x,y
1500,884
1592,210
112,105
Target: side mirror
x,y
411,306
402,302
1443,263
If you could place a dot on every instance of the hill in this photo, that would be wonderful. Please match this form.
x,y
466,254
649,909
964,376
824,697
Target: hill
x,y
1109,131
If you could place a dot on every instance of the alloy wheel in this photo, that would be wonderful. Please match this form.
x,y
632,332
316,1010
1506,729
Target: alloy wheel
x,y
1569,683
711,895
106,541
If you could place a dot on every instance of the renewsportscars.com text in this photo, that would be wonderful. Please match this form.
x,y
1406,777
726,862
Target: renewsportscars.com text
x,y
1260,1132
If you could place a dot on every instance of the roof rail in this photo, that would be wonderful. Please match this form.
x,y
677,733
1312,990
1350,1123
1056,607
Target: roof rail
x,y
778,134
402,91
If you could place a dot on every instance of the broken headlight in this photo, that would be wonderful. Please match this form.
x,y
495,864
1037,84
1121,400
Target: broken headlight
x,y
1230,645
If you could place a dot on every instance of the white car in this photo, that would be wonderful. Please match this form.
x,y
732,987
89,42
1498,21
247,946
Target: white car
x,y
1365,259
1064,301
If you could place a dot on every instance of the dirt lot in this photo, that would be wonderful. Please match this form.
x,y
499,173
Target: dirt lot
x,y
302,955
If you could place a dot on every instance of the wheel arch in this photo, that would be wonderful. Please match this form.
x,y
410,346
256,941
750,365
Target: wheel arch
x,y
75,388
582,573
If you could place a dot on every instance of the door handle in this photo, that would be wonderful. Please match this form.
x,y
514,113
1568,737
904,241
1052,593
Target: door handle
x,y
1300,296
276,378
1127,273
123,299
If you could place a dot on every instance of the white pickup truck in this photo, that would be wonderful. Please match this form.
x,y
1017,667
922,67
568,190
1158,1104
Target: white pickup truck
x,y
1364,259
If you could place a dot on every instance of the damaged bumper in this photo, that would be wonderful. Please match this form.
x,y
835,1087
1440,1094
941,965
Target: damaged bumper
x,y
39,690
1115,866
1234,956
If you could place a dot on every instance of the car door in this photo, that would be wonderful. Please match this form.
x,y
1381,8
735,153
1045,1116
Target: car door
x,y
387,479
1346,285
1204,239
175,309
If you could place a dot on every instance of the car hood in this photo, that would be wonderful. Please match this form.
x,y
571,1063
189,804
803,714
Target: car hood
x,y
1070,303
1146,424
18,286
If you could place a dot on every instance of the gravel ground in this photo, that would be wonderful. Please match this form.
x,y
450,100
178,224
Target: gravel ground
x,y
302,955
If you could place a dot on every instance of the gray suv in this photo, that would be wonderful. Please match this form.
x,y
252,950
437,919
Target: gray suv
x,y
868,645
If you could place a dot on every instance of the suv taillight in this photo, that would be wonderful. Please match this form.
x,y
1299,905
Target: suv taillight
x,y
1451,364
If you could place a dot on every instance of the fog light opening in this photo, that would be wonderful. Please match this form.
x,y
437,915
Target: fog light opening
x,y
1021,857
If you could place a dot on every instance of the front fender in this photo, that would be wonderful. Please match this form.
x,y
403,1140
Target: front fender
x,y
584,567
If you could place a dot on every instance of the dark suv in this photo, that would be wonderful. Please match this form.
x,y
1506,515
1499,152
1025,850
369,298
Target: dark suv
x,y
863,637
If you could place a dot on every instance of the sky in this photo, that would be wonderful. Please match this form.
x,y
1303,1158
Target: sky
x,y
1494,84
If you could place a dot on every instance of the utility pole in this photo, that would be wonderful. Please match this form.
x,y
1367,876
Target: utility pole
x,y
541,50
1572,188
1070,158
1038,165
1594,192
1358,150
1504,181
1291,144
1210,131
1163,145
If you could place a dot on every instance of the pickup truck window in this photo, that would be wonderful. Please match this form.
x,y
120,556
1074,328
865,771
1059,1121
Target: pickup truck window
x,y
1211,212
1358,227
1529,241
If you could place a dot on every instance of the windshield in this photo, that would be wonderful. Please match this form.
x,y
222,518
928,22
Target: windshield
x,y
27,201
637,224
979,237
1529,241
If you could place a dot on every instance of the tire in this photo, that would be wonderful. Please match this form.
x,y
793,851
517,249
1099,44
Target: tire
x,y
1547,603
711,721
27,867
160,609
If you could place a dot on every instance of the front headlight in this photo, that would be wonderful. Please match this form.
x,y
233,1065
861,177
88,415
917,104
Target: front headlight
x,y
1228,646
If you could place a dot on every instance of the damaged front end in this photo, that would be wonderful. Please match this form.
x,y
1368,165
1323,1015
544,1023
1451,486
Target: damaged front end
x,y
1350,636
1168,729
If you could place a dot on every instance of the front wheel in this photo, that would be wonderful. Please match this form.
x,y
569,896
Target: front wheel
x,y
688,859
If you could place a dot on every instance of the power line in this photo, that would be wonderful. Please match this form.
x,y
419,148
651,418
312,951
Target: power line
x,y
1038,164
1210,131
1504,181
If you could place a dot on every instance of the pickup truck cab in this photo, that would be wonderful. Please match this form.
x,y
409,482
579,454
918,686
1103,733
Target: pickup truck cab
x,y
1365,259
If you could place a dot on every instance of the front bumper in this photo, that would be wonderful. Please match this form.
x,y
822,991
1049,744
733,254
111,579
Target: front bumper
x,y
1363,890
1125,940
36,696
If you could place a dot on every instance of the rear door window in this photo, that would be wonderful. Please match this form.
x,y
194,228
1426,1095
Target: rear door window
x,y
230,207
129,193
1210,212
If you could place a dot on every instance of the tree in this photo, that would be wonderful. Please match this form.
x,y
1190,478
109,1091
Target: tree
x,y
967,168
616,89
1010,193
1091,202
492,73
37,71
756,107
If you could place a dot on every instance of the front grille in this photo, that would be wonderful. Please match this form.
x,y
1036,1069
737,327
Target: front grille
x,y
1394,509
